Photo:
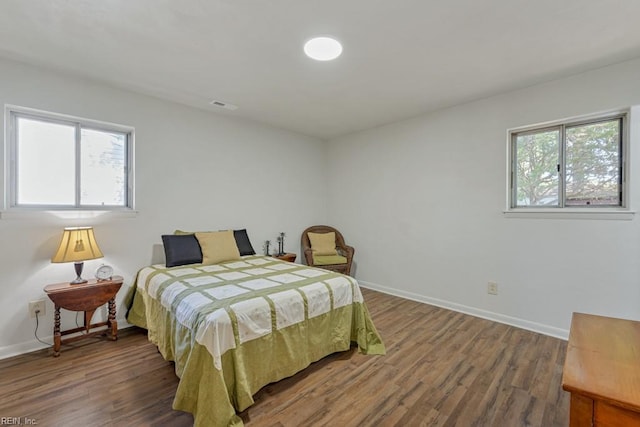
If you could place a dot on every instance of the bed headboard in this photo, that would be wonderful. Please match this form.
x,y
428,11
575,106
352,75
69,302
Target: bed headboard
x,y
157,254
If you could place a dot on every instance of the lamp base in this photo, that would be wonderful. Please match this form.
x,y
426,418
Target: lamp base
x,y
79,280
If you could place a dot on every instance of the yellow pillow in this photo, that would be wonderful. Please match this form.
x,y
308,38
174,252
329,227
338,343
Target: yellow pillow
x,y
182,233
323,243
218,246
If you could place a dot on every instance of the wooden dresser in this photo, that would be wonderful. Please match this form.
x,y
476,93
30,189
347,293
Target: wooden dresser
x,y
602,371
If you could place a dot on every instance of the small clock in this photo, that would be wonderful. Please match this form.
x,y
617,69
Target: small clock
x,y
104,272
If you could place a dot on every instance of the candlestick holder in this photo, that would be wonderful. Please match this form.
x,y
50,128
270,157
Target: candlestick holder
x,y
281,244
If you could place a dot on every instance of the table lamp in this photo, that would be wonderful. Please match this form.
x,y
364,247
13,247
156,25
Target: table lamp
x,y
77,245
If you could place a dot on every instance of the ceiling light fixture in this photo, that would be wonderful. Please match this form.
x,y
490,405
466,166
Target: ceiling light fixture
x,y
323,48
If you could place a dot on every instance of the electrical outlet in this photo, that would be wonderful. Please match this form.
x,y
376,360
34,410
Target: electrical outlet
x,y
39,306
492,288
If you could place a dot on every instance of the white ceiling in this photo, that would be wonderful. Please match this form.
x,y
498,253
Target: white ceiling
x,y
401,58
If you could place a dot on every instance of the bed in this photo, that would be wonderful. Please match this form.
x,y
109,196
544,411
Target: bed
x,y
233,327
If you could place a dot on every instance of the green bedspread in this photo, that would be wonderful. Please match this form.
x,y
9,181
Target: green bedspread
x,y
234,327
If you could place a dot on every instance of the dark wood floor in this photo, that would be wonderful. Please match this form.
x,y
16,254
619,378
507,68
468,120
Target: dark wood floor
x,y
442,368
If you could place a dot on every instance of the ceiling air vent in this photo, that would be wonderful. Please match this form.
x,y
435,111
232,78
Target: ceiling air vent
x,y
222,104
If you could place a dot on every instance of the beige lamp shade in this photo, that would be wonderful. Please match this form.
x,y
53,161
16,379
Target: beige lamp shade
x,y
77,244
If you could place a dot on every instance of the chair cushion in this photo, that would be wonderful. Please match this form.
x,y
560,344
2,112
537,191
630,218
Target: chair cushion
x,y
218,246
323,243
329,259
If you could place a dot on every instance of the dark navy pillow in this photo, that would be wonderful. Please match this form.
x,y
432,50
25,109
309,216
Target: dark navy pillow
x,y
181,250
243,242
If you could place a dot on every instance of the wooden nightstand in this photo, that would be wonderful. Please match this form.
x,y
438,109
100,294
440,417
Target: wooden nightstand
x,y
286,257
85,297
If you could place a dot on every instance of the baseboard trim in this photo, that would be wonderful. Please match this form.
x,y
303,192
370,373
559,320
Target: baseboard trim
x,y
473,311
35,345
24,347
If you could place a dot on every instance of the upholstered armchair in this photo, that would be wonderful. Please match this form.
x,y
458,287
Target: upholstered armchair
x,y
320,250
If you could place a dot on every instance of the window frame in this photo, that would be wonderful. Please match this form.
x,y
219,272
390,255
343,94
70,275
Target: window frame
x,y
562,126
13,113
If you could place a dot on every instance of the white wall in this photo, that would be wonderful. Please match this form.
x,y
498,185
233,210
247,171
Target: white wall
x,y
422,201
194,170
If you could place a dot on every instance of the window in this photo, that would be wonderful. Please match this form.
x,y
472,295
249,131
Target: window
x,y
577,164
57,162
